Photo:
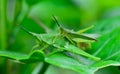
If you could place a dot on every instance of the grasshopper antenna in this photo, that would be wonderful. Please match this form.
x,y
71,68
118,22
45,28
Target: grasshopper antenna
x,y
24,29
55,19
31,33
59,26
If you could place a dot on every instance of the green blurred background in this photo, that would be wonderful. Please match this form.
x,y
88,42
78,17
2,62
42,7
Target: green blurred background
x,y
73,14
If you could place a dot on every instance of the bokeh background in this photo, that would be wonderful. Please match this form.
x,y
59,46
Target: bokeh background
x,y
73,14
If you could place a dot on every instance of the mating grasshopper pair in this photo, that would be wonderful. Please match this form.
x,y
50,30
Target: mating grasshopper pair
x,y
66,40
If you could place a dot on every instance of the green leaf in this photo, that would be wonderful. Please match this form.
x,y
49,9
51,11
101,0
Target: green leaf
x,y
13,55
34,56
66,62
108,43
107,48
105,26
74,49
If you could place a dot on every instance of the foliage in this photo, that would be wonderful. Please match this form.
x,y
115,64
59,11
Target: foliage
x,y
39,48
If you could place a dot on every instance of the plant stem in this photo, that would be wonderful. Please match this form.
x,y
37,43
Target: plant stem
x,y
3,37
3,33
44,68
2,29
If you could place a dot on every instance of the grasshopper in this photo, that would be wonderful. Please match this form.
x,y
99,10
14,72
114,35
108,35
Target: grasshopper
x,y
79,39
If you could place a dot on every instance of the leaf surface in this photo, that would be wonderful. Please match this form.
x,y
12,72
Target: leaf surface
x,y
34,56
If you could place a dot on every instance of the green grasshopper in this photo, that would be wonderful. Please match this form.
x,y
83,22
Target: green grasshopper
x,y
77,38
